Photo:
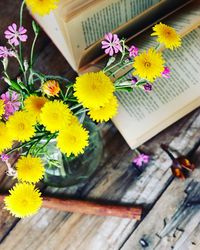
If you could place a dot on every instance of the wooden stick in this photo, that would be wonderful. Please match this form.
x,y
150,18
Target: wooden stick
x,y
89,207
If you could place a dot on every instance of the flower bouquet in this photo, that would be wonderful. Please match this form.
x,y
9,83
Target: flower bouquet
x,y
38,109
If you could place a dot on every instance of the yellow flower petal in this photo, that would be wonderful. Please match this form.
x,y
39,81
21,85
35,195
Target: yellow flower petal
x,y
93,89
106,112
149,64
167,35
5,138
29,169
21,126
55,115
2,110
42,7
34,104
24,200
73,140
51,88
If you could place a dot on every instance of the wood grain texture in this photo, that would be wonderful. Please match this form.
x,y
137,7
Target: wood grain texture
x,y
168,220
177,216
115,180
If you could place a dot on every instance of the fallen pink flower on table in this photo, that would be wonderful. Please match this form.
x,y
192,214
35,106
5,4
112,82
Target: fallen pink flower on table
x,y
141,159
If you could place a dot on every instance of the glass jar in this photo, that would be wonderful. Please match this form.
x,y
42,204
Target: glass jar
x,y
63,171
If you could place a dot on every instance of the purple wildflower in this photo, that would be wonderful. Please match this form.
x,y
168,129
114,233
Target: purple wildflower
x,y
15,35
147,87
12,103
111,44
5,52
134,80
4,157
141,159
133,51
166,72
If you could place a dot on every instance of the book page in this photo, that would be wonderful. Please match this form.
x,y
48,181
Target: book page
x,y
53,27
89,26
141,112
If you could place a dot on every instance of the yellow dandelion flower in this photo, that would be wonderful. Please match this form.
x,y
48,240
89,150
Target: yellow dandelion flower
x,y
51,88
29,169
73,140
34,104
2,110
167,35
73,120
149,64
21,126
42,7
5,138
55,115
24,200
93,89
106,112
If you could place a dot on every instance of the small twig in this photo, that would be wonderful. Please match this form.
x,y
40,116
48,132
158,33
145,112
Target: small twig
x,y
91,208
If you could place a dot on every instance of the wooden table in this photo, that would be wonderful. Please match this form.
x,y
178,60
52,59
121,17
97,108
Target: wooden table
x,y
171,218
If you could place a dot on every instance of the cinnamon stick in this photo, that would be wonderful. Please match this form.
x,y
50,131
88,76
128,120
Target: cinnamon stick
x,y
89,207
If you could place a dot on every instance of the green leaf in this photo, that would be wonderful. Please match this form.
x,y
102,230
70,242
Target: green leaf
x,y
141,82
15,85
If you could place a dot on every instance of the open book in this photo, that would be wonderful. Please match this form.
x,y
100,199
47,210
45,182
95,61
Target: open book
x,y
77,26
141,115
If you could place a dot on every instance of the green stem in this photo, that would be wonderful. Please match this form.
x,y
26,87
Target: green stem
x,y
51,77
130,70
35,143
76,106
123,87
157,46
63,96
19,59
20,63
137,151
40,76
81,111
112,67
18,147
124,66
51,137
67,91
21,23
32,50
26,143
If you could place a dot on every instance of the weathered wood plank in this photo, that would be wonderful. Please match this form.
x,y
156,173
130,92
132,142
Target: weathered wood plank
x,y
174,222
114,181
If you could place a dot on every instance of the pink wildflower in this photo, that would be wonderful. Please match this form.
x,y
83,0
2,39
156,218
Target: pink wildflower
x,y
12,103
166,72
134,80
15,35
111,44
4,157
140,159
133,51
5,52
